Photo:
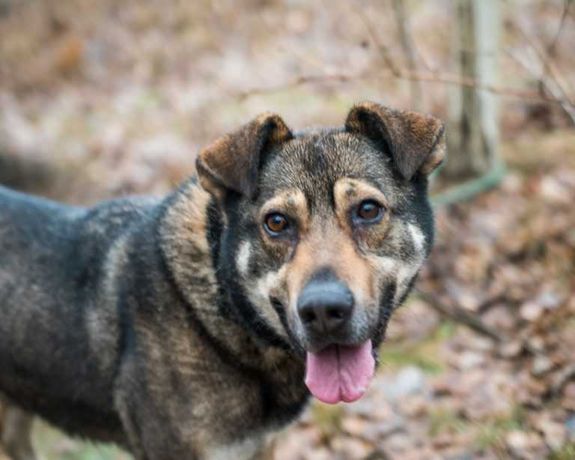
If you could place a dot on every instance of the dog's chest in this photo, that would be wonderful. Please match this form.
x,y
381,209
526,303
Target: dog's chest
x,y
249,449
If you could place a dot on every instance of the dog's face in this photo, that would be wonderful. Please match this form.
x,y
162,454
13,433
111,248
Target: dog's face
x,y
326,231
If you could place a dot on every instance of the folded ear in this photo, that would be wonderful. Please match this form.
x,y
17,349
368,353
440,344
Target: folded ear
x,y
232,162
415,141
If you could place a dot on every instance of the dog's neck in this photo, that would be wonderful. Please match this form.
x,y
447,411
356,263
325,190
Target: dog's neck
x,y
189,236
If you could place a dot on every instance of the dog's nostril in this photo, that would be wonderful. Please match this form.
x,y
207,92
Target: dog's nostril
x,y
336,313
324,306
308,316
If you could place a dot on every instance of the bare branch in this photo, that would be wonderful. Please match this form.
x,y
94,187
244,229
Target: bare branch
x,y
429,77
461,316
552,46
542,68
382,48
393,71
550,84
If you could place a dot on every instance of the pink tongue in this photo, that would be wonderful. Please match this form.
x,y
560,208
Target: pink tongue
x,y
340,373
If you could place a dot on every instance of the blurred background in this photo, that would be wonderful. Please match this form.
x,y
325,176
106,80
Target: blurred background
x,y
113,97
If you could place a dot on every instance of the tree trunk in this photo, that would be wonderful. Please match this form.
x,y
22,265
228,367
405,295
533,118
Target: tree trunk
x,y
473,135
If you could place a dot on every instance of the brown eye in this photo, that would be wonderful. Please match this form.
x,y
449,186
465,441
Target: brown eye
x,y
276,223
369,211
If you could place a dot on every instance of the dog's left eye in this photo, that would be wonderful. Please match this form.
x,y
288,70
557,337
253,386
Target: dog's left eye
x,y
369,212
276,223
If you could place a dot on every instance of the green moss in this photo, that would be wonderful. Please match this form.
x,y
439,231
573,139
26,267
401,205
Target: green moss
x,y
491,433
397,356
446,421
488,434
327,418
53,445
422,354
445,330
567,452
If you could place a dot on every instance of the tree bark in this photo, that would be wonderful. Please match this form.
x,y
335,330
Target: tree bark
x,y
473,135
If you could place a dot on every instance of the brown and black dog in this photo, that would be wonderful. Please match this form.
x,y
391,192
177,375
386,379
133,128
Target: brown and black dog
x,y
194,326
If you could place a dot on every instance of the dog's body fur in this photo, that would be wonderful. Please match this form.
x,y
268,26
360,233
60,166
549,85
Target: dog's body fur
x,y
147,322
131,341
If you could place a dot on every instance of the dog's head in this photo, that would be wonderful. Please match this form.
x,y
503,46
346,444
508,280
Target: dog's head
x,y
325,231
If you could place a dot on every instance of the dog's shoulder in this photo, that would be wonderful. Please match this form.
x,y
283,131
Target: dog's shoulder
x,y
112,216
185,216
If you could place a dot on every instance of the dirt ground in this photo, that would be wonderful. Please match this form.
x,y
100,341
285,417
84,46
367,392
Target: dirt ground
x,y
117,97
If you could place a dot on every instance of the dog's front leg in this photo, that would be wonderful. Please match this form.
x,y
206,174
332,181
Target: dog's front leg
x,y
16,433
151,433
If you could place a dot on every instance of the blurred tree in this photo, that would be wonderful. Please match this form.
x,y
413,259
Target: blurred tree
x,y
402,19
473,113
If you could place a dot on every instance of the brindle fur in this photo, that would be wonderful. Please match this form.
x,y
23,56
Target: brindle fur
x,y
167,325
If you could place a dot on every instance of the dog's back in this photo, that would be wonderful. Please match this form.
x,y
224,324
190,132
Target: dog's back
x,y
58,336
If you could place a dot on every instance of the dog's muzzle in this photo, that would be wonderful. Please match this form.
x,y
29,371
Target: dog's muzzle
x,y
325,308
338,365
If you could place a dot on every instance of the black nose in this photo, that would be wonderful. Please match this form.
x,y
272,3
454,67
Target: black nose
x,y
325,305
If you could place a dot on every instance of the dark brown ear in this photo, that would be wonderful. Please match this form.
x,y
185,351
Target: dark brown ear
x,y
232,162
415,141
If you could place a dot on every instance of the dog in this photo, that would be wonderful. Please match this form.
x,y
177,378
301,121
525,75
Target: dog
x,y
197,325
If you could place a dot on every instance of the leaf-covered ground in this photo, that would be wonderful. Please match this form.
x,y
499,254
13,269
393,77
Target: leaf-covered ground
x,y
117,97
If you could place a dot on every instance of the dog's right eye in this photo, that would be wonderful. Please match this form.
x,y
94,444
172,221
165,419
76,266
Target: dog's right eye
x,y
276,223
369,212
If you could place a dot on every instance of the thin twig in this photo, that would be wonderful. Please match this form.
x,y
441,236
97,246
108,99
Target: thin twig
x,y
461,316
395,72
546,62
552,46
382,48
542,68
429,77
562,378
551,85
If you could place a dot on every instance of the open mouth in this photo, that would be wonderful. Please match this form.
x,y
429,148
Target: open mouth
x,y
340,372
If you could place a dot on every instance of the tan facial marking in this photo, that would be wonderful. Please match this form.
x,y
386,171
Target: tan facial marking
x,y
417,236
349,193
290,202
259,294
404,276
326,245
401,271
352,191
243,257
387,266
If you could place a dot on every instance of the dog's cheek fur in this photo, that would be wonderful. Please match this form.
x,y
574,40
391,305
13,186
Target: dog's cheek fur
x,y
391,249
406,247
257,270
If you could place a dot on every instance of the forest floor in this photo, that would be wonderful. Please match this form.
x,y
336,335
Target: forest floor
x,y
117,97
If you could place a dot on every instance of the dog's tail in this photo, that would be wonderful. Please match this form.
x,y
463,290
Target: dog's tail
x,y
23,172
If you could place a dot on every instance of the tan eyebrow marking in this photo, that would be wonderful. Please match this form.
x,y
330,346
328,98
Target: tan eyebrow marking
x,y
291,202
